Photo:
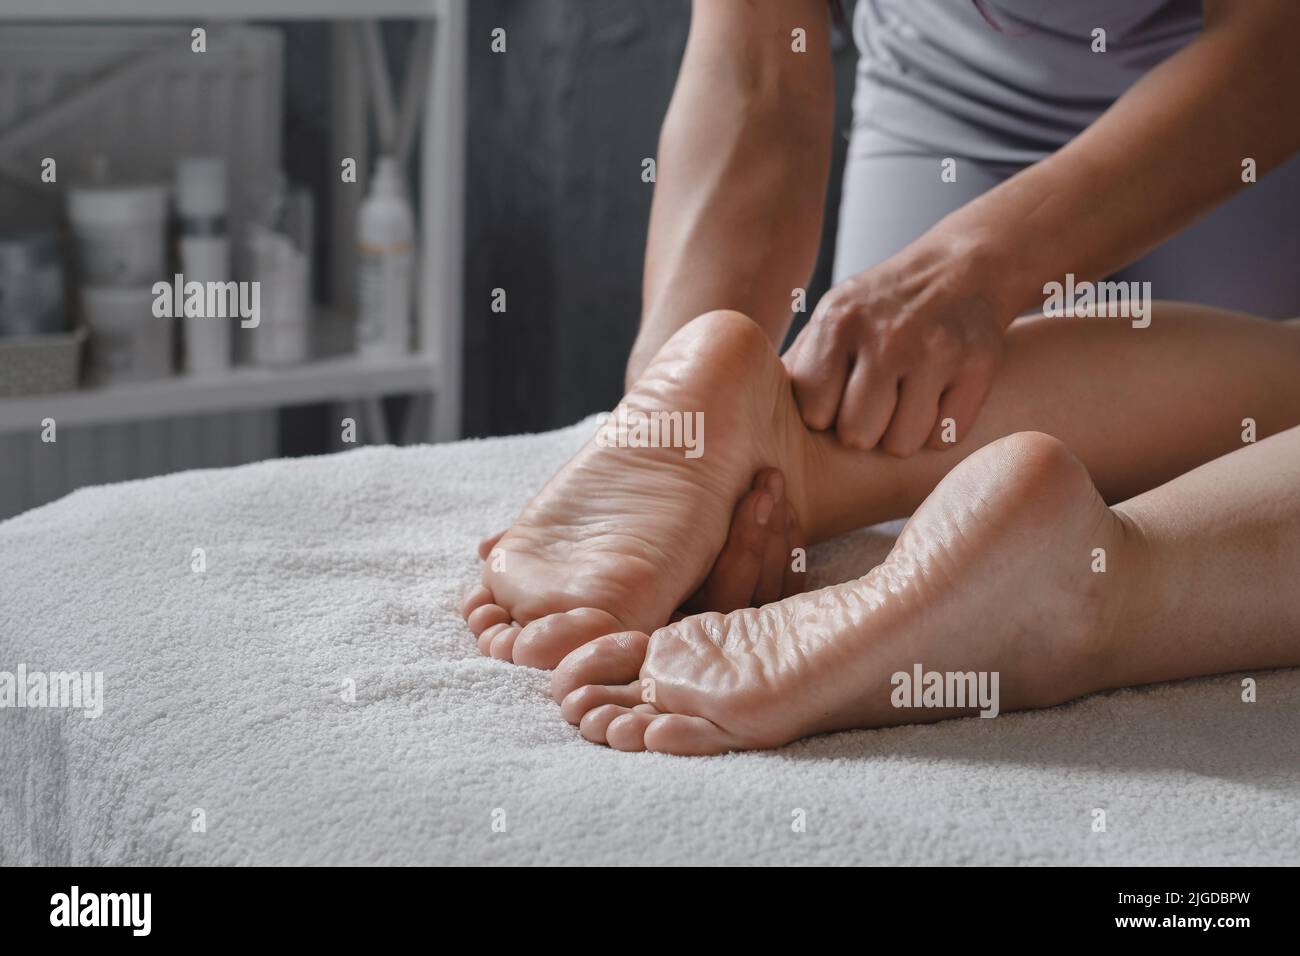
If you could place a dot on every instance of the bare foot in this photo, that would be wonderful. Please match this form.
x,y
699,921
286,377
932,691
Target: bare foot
x,y
994,573
622,536
763,560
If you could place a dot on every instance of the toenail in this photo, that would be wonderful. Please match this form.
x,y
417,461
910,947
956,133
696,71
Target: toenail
x,y
764,509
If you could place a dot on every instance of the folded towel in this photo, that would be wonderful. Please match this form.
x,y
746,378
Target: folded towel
x,y
312,696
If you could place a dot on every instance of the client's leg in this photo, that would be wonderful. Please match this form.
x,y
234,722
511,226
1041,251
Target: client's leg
x,y
1136,406
1013,567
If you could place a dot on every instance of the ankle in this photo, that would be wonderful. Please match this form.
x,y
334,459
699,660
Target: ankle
x,y
844,488
1129,601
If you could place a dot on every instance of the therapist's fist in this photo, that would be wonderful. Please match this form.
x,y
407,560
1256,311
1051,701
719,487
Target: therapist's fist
x,y
900,356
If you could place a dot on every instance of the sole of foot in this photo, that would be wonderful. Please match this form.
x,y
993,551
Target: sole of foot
x,y
624,533
995,574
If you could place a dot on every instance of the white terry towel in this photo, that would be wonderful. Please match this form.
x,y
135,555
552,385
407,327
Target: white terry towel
x,y
226,738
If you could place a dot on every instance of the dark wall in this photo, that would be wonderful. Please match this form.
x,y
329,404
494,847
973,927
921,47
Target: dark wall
x,y
556,212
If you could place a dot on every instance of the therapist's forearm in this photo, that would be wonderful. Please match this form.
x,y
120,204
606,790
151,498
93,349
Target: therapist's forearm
x,y
1165,154
737,211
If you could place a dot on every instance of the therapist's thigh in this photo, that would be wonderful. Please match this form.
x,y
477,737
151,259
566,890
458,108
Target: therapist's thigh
x,y
1244,256
892,194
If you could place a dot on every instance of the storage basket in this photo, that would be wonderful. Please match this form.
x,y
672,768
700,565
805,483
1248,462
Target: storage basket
x,y
37,364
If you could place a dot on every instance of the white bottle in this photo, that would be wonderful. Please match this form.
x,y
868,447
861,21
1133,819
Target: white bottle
x,y
386,254
201,201
279,256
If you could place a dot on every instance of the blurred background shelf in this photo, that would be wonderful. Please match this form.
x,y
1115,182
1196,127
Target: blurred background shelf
x,y
244,387
439,170
317,92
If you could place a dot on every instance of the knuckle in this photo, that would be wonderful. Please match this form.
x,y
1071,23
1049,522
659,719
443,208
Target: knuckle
x,y
852,436
816,412
937,337
837,313
898,444
899,353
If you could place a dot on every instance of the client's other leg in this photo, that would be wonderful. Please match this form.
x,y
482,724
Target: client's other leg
x,y
1223,548
1013,567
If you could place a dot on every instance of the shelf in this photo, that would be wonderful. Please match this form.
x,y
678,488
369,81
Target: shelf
x,y
440,214
244,387
205,10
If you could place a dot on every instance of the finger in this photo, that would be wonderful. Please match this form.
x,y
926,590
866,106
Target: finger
x,y
868,405
795,581
731,583
772,575
960,404
723,567
818,368
487,544
916,413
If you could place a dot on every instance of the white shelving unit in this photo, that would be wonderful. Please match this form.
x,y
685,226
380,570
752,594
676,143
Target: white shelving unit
x,y
243,388
435,367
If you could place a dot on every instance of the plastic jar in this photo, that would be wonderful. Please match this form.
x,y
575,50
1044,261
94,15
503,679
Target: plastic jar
x,y
128,343
279,253
120,233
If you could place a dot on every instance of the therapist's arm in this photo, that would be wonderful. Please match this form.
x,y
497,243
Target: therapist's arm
x,y
744,155
890,353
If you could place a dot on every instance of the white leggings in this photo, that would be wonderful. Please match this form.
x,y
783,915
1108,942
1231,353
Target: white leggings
x,y
1245,255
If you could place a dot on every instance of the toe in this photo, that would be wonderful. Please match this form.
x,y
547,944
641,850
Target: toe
x,y
627,731
595,722
487,544
576,704
686,736
486,616
489,634
503,643
612,659
475,600
546,641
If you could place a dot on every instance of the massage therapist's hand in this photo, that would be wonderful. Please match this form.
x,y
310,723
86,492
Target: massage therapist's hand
x,y
891,353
